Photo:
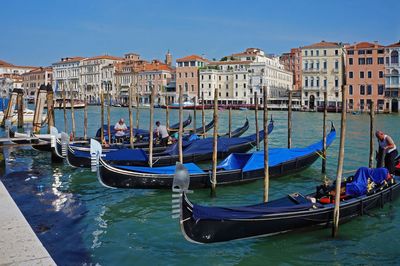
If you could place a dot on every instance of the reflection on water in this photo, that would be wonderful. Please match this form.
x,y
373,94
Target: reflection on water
x,y
78,219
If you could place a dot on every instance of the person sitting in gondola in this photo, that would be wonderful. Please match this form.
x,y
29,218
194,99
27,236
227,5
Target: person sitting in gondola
x,y
120,129
162,133
388,149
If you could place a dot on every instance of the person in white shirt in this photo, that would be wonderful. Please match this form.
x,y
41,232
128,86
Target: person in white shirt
x,y
388,149
120,129
162,133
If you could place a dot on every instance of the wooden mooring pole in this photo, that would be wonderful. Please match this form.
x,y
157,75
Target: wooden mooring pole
x,y
323,167
266,168
194,116
64,102
180,125
39,106
109,117
167,112
137,108
152,88
130,116
85,121
203,118
371,134
335,226
20,104
289,134
50,108
230,122
9,112
102,116
72,112
256,120
215,147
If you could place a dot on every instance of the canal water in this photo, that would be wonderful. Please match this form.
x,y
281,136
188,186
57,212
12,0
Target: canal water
x,y
81,222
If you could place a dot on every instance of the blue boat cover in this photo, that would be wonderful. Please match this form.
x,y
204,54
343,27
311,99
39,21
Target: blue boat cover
x,y
359,184
115,153
245,212
255,161
170,170
3,104
126,155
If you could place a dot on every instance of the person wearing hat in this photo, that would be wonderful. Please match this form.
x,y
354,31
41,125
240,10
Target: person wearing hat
x,y
162,133
388,149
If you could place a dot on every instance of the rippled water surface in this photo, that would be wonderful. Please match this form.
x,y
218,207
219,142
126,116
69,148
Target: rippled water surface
x,y
79,221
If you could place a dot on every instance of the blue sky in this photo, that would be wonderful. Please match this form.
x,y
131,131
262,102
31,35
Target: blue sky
x,y
41,32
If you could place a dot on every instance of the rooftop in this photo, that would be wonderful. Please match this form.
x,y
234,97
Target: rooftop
x,y
397,44
191,58
322,44
362,45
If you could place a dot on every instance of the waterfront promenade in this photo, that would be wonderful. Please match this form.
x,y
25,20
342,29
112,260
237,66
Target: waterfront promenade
x,y
19,245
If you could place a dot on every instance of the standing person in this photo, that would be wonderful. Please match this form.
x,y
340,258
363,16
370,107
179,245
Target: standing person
x,y
388,149
162,133
120,129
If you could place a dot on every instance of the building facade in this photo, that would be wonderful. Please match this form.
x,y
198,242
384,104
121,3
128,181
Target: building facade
x,y
91,76
33,79
293,63
8,82
239,76
66,78
153,75
365,76
392,76
187,76
323,70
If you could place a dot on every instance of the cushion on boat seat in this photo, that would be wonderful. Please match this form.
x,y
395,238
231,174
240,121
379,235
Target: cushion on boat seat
x,y
298,198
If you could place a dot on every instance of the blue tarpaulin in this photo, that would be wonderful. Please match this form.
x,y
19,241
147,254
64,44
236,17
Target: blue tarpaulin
x,y
191,167
255,161
3,104
126,154
359,184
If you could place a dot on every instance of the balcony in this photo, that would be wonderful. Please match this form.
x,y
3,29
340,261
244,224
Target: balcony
x,y
311,70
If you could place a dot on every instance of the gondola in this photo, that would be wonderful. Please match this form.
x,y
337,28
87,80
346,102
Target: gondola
x,y
206,224
80,156
141,132
235,169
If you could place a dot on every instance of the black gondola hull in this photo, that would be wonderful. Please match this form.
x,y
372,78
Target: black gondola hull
x,y
211,231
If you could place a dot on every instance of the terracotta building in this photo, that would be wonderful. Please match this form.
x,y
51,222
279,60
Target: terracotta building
x,y
292,62
392,75
365,76
155,74
36,77
187,76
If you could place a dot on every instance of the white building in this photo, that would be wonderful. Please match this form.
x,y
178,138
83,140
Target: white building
x,y
66,76
239,76
90,73
392,75
322,71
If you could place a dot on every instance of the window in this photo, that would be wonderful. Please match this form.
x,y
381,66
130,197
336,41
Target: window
x,y
369,89
305,53
380,74
325,82
350,61
394,57
312,52
236,85
209,86
317,65
336,83
362,90
312,82
380,61
317,81
325,65
336,64
244,85
362,103
361,51
381,87
236,76
369,51
306,65
361,61
361,74
350,89
381,51
325,52
227,94
369,74
350,52
317,52
351,74
306,82
369,61
209,76
336,52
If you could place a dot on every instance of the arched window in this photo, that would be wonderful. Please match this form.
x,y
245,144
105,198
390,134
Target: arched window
x,y
394,57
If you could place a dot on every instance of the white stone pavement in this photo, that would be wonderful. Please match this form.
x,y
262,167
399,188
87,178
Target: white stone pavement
x,y
19,245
